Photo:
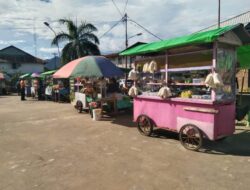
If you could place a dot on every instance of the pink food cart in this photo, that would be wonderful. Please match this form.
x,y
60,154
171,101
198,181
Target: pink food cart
x,y
194,109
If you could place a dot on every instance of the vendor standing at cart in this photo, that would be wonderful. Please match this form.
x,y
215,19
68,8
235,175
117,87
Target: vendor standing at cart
x,y
89,91
113,87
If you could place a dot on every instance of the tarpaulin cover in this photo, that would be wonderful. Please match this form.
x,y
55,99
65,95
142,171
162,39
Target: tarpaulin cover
x,y
196,38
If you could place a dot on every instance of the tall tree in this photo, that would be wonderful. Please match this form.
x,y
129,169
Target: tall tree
x,y
80,41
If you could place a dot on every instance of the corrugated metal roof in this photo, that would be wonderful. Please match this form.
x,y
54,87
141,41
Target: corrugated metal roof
x,y
243,18
14,54
192,39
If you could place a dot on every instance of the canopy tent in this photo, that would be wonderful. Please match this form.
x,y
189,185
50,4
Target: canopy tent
x,y
25,75
89,66
35,75
47,73
243,55
196,38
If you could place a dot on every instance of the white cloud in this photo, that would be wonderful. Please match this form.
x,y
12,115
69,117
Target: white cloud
x,y
11,42
166,19
49,50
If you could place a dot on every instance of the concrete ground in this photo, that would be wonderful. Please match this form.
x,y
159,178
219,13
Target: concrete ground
x,y
46,145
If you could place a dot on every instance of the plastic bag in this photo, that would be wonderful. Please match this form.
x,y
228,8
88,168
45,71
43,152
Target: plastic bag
x,y
164,92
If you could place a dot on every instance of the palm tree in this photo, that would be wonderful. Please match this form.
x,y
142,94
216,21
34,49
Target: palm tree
x,y
81,41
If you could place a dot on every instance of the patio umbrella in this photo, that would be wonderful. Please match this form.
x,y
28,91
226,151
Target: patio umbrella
x,y
34,75
25,76
89,66
48,73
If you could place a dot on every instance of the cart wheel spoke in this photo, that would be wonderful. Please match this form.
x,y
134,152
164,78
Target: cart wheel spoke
x,y
144,125
190,137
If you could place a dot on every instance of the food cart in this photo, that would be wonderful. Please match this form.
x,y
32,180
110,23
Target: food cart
x,y
193,109
93,69
81,99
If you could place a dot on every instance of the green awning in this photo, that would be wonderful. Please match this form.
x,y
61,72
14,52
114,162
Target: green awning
x,y
25,75
48,73
196,38
243,56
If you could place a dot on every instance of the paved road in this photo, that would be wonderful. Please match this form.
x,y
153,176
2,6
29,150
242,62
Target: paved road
x,y
46,145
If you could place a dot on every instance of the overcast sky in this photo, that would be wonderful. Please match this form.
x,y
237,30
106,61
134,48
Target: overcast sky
x,y
22,25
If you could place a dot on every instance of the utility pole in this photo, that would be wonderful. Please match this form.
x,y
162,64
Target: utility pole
x,y
126,43
126,35
218,13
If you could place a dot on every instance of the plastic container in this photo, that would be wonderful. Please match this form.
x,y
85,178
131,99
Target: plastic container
x,y
97,114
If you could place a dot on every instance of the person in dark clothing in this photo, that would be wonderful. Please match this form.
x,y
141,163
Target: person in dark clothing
x,y
40,90
22,90
113,86
18,87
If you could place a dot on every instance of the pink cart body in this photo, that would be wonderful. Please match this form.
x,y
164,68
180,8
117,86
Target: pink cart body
x,y
215,120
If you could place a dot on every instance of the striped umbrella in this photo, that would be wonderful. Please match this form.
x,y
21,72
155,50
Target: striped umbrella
x,y
89,66
35,75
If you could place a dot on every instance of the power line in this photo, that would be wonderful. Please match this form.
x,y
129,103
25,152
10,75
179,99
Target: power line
x,y
24,28
125,7
29,19
110,29
145,29
117,8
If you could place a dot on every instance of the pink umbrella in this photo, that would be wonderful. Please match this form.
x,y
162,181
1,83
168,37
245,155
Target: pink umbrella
x,y
67,69
35,75
89,66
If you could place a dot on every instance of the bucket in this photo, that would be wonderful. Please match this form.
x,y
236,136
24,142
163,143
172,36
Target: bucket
x,y
97,114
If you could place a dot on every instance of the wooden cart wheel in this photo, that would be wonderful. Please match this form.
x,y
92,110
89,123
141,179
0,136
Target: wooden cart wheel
x,y
144,125
190,137
79,107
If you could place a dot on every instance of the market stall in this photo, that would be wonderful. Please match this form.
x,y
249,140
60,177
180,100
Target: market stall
x,y
91,73
187,85
243,95
48,84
